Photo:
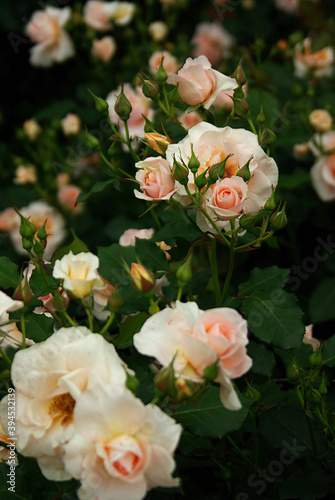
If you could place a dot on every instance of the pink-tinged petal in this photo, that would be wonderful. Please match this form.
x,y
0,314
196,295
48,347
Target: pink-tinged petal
x,y
160,429
228,395
160,468
259,191
199,354
53,469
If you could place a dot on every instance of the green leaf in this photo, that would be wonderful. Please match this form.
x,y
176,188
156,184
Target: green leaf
x,y
173,230
97,188
41,286
268,278
297,178
111,264
9,274
207,417
39,327
328,352
322,301
21,489
77,246
275,318
150,255
312,484
129,327
263,360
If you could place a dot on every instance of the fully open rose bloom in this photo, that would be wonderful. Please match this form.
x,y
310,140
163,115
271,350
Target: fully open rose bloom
x,y
46,30
228,197
104,48
155,178
79,273
38,212
195,339
198,83
48,378
212,41
9,333
323,170
122,448
319,63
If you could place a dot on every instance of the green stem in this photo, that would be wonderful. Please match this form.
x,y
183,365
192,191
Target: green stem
x,y
154,216
4,355
230,269
131,151
89,317
154,400
240,452
215,273
108,323
256,437
180,291
23,330
252,126
247,245
70,320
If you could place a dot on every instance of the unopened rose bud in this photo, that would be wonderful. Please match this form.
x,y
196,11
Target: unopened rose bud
x,y
157,142
180,172
241,107
27,244
279,220
143,280
252,393
92,141
27,228
211,372
100,104
239,74
217,170
247,221
314,397
261,116
38,247
184,272
164,381
315,359
60,302
132,383
173,95
244,171
193,162
42,234
271,203
150,89
320,120
267,137
292,372
23,292
123,106
115,300
161,75
201,180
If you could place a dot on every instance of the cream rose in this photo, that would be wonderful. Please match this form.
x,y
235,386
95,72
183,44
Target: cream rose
x,y
9,333
104,48
130,235
155,178
198,83
309,339
123,12
71,124
79,273
320,63
323,171
98,14
193,340
48,378
227,197
46,30
124,445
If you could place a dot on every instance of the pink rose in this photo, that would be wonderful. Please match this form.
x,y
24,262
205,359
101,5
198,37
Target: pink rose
x,y
309,339
198,83
225,330
188,120
212,41
323,177
130,235
224,99
97,14
228,197
155,178
68,195
170,63
104,48
320,63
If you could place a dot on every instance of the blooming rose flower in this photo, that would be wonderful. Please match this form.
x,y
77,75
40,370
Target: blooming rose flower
x,y
38,212
155,178
25,175
319,63
300,150
53,44
188,120
123,12
321,120
212,41
78,272
158,30
71,124
130,235
170,63
309,339
68,196
194,339
212,145
7,455
198,83
98,14
8,219
227,197
140,106
124,445
290,6
9,333
31,129
323,170
224,101
48,378
102,291
104,48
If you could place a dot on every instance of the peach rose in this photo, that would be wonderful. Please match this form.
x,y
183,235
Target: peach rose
x,y
104,48
102,291
224,101
212,145
198,83
309,339
155,178
98,14
46,30
123,12
227,197
300,150
170,63
25,175
68,195
38,212
212,41
321,120
323,170
158,31
130,235
140,106
31,129
8,220
48,378
319,63
194,339
78,272
290,6
188,120
124,445
9,333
